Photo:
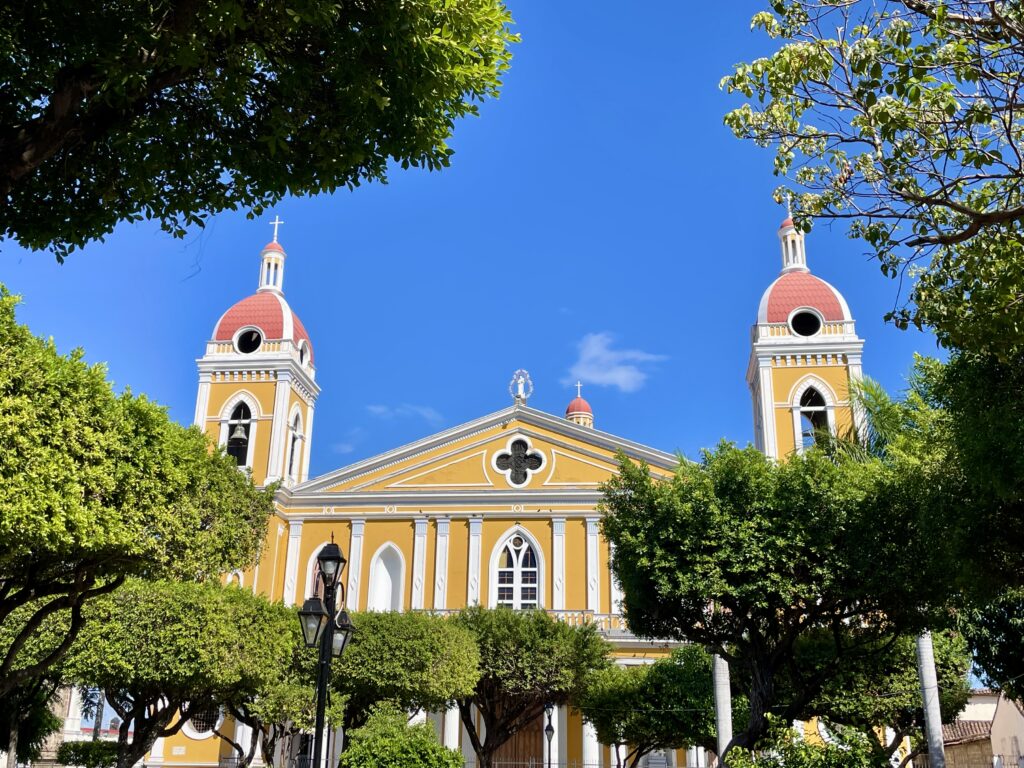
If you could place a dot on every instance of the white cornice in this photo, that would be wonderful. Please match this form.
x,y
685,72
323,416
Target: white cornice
x,y
275,363
520,413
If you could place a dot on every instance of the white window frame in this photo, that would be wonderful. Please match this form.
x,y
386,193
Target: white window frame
x,y
254,418
378,555
496,553
811,382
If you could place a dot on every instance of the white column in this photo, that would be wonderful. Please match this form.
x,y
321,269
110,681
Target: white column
x,y
243,734
419,562
73,721
279,428
307,439
441,567
452,722
291,563
156,754
930,696
562,727
555,755
473,575
420,716
769,435
202,401
593,577
591,747
558,563
355,564
723,704
613,583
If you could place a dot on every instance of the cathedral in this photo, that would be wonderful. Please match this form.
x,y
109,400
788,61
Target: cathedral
x,y
501,510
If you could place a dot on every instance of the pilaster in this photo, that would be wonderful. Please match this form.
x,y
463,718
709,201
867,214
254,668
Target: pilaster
x,y
355,563
593,577
441,567
291,563
419,562
279,430
558,563
473,574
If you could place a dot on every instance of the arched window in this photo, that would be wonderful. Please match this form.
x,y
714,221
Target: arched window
x,y
386,580
239,427
813,417
518,574
293,448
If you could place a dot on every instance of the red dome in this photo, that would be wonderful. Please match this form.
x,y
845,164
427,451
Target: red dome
x,y
787,223
272,246
267,311
578,405
801,289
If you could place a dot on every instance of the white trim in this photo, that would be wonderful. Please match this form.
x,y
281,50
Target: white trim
x,y
606,467
802,385
242,330
593,576
295,413
308,444
810,310
431,468
202,401
236,577
280,426
419,562
473,571
291,563
503,540
355,563
310,564
193,734
591,747
508,450
441,564
241,396
615,589
386,546
558,563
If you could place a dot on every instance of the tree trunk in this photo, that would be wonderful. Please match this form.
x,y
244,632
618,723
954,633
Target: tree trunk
x,y
12,743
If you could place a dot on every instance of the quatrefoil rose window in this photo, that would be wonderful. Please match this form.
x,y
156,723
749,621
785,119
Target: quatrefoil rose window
x,y
519,461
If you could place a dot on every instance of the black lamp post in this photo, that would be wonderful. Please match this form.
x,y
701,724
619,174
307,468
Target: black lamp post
x,y
549,729
324,629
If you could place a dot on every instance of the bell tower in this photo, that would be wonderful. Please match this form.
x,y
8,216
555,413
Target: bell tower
x,y
257,388
804,354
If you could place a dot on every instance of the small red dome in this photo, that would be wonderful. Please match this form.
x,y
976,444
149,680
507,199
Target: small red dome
x,y
272,246
268,311
578,405
787,223
801,289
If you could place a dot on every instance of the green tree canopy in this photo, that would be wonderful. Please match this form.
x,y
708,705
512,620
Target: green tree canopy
x,y
164,651
748,557
527,660
95,486
176,110
996,633
903,117
413,660
665,705
388,741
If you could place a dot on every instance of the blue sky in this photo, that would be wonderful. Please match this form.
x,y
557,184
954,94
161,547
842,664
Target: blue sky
x,y
598,221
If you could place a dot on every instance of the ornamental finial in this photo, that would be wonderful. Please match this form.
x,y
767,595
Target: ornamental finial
x,y
521,386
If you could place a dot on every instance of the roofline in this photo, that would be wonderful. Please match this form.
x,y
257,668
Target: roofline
x,y
604,440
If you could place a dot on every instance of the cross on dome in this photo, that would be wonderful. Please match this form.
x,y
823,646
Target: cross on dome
x,y
579,388
276,223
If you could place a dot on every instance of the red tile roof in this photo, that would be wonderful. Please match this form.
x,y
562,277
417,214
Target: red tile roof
x,y
963,731
802,289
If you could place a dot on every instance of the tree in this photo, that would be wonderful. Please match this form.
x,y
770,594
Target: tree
x,y
903,117
27,719
96,486
884,689
88,754
165,651
784,748
527,660
996,634
176,110
387,740
665,705
747,558
413,660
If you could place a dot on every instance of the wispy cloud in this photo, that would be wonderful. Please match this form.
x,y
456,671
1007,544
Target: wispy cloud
x,y
349,441
406,411
598,363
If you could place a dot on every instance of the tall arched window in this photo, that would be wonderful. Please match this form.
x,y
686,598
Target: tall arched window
x,y
517,574
386,580
239,427
813,416
293,448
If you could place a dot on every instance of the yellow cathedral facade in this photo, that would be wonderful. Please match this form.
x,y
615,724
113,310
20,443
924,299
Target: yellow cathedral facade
x,y
501,510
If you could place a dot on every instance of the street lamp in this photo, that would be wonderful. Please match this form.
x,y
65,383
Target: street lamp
x,y
549,729
327,630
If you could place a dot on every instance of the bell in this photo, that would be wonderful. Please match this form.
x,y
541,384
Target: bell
x,y
238,433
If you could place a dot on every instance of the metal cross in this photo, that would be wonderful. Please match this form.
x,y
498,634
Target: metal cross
x,y
520,461
276,222
579,389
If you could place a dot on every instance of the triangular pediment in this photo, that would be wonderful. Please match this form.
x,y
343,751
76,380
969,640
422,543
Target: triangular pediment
x,y
517,449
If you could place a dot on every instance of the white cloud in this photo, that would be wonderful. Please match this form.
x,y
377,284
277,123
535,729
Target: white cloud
x,y
343,447
603,366
406,410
